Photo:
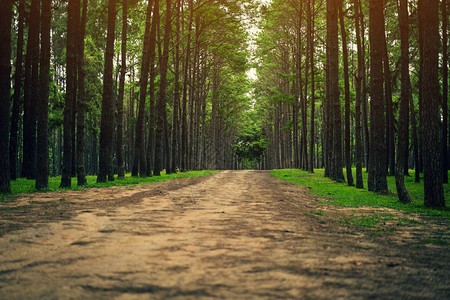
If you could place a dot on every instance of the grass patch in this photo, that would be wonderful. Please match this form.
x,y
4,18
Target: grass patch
x,y
21,185
368,221
343,195
437,241
319,213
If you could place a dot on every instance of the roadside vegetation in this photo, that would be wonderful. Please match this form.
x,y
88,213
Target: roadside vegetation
x,y
339,193
22,185
376,214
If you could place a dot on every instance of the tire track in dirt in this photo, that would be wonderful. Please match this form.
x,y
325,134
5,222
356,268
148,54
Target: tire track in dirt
x,y
234,234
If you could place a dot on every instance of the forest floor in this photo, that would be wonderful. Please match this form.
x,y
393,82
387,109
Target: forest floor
x,y
233,234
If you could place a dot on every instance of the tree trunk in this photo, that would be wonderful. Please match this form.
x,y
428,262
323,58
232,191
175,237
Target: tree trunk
x,y
42,107
390,139
81,105
377,164
333,76
140,159
5,92
176,95
123,71
310,38
18,84
161,106
348,157
444,91
107,120
72,23
359,92
31,93
403,134
432,164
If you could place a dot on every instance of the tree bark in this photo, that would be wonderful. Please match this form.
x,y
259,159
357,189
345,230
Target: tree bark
x,y
42,107
348,157
123,71
81,105
444,91
377,164
403,134
72,23
5,92
31,93
107,120
18,84
140,159
432,164
161,106
359,93
333,76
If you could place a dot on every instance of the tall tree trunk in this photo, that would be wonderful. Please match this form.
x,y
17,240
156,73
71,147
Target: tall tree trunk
x,y
42,107
390,139
403,134
444,91
81,105
5,92
123,71
184,111
365,106
31,93
432,164
359,92
176,96
72,23
151,91
348,156
333,76
18,84
107,121
310,38
161,106
140,158
377,161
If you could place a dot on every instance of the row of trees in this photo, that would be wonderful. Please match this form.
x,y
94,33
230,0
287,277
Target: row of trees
x,y
351,82
173,93
168,94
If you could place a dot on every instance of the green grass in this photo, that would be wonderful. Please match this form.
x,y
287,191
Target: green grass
x,y
368,221
344,195
21,186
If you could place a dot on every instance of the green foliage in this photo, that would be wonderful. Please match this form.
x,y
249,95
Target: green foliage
x,y
22,186
250,143
343,195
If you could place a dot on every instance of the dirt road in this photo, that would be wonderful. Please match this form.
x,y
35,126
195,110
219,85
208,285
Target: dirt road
x,y
234,235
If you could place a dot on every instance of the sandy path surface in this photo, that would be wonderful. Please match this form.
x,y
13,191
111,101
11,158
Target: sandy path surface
x,y
234,235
